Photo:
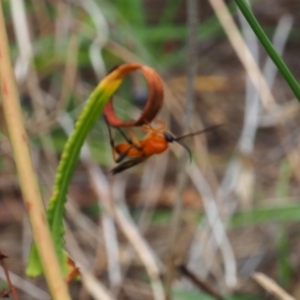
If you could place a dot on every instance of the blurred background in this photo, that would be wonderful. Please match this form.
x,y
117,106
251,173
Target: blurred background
x,y
200,230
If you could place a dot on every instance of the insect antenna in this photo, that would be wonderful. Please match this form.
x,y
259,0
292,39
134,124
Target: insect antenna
x,y
186,148
197,132
178,139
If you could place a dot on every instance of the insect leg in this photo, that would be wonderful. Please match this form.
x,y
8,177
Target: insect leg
x,y
112,142
132,140
118,157
123,155
162,125
128,164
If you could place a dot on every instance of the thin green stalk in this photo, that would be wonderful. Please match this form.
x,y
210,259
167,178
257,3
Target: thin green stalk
x,y
26,172
278,61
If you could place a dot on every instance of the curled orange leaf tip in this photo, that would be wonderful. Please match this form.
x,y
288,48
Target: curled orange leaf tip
x,y
155,98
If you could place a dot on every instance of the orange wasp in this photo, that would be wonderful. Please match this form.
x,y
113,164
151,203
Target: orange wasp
x,y
156,141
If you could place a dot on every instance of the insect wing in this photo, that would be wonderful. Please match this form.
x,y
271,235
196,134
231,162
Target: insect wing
x,y
127,164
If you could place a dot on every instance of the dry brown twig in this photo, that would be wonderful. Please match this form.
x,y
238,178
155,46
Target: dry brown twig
x,y
243,52
24,68
192,17
94,287
11,287
129,229
200,283
28,181
271,286
26,286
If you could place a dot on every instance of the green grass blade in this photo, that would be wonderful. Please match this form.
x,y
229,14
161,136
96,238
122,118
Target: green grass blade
x,y
282,213
67,164
284,264
282,67
168,15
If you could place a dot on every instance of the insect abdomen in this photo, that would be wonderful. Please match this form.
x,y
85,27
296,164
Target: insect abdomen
x,y
121,148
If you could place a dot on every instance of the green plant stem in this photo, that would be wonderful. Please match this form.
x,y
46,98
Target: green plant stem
x,y
28,181
278,61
